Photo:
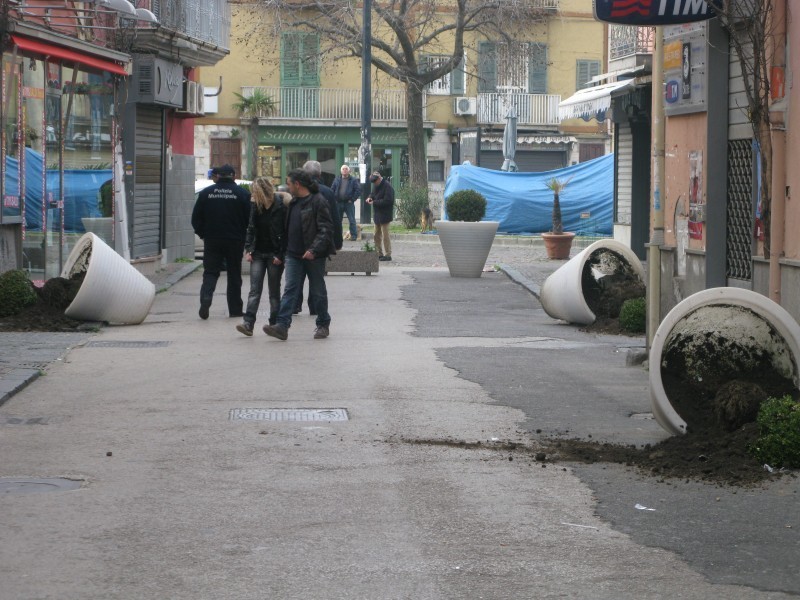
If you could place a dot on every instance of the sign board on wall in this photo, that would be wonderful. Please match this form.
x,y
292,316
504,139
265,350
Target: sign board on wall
x,y
654,12
685,69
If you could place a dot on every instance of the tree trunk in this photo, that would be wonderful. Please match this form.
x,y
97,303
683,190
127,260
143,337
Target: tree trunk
x,y
253,160
765,141
558,226
417,163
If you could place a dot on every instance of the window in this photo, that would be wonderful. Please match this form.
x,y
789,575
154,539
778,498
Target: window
x,y
299,60
516,67
435,170
584,71
452,82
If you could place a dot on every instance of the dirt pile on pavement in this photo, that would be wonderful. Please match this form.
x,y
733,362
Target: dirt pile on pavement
x,y
607,281
47,313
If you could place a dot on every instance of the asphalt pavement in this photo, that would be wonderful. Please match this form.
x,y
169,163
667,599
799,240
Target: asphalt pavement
x,y
383,462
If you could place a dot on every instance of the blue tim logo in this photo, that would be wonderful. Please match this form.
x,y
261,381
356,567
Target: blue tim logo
x,y
672,91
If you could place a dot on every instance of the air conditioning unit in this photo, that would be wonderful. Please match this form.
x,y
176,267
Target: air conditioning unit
x,y
189,98
201,100
464,105
156,81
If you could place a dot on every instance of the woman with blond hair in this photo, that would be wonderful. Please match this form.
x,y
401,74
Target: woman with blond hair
x,y
262,249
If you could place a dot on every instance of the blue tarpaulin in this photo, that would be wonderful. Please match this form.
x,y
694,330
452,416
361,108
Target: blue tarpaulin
x,y
80,199
522,203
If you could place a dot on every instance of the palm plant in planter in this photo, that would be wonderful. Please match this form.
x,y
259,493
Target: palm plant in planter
x,y
556,242
466,239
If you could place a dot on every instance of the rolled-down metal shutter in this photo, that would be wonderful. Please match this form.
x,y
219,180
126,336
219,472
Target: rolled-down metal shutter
x,y
527,161
148,169
624,157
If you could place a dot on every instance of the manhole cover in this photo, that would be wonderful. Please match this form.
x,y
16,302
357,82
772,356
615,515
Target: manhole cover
x,y
289,414
34,485
121,344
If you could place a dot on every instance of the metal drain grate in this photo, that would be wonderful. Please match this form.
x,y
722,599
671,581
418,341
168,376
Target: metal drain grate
x,y
289,414
34,485
23,421
121,344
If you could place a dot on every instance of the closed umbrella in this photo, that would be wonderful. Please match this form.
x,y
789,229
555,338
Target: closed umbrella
x,y
510,141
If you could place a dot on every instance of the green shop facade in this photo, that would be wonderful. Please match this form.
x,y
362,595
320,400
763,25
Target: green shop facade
x,y
283,148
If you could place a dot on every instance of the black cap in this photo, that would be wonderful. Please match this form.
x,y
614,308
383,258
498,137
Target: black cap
x,y
224,171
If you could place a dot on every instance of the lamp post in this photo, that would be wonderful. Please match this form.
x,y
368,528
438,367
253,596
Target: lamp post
x,y
365,150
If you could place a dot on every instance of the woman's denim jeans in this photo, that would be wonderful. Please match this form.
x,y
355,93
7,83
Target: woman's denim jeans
x,y
261,265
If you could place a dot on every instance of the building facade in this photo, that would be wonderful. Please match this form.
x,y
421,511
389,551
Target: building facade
x,y
317,113
86,145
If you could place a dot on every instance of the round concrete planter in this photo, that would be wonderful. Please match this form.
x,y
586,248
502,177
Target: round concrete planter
x,y
752,321
562,294
112,289
466,245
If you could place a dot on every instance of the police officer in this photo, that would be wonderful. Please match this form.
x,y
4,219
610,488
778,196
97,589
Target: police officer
x,y
220,219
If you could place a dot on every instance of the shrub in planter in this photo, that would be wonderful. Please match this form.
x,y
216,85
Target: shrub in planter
x,y
408,208
465,205
633,315
16,292
778,443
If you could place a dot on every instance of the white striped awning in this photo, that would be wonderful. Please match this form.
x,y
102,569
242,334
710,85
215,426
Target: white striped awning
x,y
588,102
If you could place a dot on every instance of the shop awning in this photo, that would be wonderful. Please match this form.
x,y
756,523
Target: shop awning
x,y
591,102
54,51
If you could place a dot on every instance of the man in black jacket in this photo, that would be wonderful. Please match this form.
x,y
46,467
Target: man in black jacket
x,y
307,243
382,199
220,219
347,190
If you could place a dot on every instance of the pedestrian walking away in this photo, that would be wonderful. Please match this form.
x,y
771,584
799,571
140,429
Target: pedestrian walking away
x,y
220,218
382,198
347,190
307,243
314,168
262,249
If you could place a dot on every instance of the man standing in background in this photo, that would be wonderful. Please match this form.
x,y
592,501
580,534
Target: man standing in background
x,y
347,190
382,198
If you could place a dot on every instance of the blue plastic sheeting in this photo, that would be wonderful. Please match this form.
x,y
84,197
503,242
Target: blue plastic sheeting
x,y
80,200
522,203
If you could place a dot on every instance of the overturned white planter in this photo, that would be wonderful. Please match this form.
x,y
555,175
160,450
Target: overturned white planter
x,y
750,320
112,290
466,245
562,295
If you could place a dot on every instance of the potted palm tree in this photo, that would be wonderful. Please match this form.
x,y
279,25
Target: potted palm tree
x,y
466,239
557,243
257,104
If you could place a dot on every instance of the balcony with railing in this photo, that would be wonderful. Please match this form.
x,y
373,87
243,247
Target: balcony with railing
x,y
539,110
327,105
630,47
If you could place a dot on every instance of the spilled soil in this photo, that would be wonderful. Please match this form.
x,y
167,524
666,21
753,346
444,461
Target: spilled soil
x,y
607,281
47,313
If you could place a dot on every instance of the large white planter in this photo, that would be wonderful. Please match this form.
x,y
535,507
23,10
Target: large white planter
x,y
112,290
562,294
717,312
466,245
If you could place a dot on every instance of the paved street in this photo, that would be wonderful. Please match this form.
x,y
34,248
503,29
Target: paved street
x,y
188,491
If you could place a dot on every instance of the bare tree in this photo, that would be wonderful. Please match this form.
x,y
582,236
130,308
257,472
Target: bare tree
x,y
751,29
402,32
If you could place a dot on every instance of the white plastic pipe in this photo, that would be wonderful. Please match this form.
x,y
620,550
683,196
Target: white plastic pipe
x,y
692,315
562,294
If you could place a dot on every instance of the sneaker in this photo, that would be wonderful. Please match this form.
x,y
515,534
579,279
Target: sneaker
x,y
320,333
203,312
245,328
276,331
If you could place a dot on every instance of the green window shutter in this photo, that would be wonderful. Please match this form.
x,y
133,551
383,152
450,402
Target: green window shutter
x,y
487,67
290,60
458,79
537,69
584,71
310,64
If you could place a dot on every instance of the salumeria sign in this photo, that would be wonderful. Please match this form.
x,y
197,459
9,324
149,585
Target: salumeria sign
x,y
654,12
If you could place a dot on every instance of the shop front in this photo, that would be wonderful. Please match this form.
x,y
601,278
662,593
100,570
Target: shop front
x,y
282,149
57,146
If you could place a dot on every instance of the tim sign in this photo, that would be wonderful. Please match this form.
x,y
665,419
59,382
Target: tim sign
x,y
654,12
